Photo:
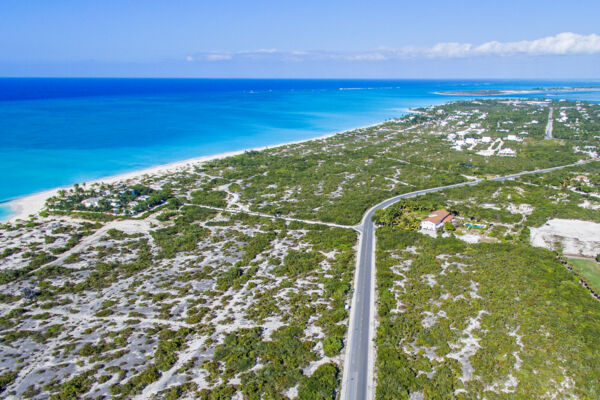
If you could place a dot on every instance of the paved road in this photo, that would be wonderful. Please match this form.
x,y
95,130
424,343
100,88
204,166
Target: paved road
x,y
358,382
550,124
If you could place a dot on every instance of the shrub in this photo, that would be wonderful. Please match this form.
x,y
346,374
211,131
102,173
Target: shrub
x,y
6,379
332,346
321,384
76,387
298,262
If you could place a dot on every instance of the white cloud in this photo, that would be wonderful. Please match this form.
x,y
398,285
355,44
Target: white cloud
x,y
566,43
372,56
218,57
210,57
562,44
449,50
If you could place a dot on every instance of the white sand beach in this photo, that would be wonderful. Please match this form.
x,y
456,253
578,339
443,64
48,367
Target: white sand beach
x,y
23,207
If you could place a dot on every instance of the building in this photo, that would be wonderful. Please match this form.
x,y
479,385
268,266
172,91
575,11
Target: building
x,y
91,202
581,178
436,220
506,152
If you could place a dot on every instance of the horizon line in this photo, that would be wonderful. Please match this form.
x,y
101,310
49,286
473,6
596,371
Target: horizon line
x,y
297,78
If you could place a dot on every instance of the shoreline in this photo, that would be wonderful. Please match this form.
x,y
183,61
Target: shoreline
x,y
24,206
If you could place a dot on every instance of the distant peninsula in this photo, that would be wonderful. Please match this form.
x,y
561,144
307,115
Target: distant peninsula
x,y
503,92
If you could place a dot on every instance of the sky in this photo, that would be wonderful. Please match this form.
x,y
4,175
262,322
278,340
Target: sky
x,y
544,39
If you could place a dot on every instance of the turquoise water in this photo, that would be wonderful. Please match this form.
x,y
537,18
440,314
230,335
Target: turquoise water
x,y
476,225
4,213
55,132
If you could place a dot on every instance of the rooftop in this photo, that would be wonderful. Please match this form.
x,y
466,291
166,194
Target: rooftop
x,y
439,216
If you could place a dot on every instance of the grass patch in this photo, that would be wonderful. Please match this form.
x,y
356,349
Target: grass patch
x,y
589,270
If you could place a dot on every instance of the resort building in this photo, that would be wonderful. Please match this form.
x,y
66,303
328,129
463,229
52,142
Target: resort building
x,y
91,202
506,152
514,138
581,178
436,220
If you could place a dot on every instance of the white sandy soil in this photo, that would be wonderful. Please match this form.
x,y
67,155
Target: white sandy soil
x,y
574,236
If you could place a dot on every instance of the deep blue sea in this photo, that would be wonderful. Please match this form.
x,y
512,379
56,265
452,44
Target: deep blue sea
x,y
55,132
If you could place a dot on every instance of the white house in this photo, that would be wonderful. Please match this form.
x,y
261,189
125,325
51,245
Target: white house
x,y
436,220
507,152
581,178
91,202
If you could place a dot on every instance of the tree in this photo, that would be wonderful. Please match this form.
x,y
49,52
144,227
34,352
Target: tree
x,y
449,227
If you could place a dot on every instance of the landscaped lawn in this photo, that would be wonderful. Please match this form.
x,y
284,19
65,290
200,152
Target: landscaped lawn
x,y
589,270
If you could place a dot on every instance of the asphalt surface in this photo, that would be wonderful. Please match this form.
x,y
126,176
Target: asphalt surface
x,y
356,380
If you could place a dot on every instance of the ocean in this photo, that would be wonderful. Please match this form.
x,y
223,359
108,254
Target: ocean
x,y
56,132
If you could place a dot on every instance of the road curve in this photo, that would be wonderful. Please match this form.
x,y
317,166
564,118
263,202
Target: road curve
x,y
357,381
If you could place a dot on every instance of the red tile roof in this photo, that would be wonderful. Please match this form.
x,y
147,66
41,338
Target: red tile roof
x,y
439,216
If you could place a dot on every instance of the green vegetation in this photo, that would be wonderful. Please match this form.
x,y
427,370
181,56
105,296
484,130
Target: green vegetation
x,y
210,198
76,387
283,357
298,262
515,300
407,213
119,200
321,385
179,237
136,384
6,379
332,346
